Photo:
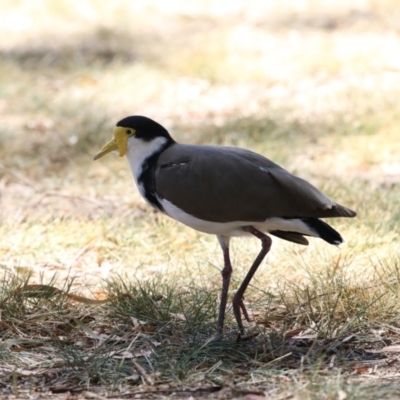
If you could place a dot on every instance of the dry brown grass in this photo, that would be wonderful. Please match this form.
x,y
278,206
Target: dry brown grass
x,y
312,85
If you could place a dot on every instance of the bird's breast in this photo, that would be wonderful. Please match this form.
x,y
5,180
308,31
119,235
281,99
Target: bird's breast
x,y
215,228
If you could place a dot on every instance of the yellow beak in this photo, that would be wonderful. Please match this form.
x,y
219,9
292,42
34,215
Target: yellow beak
x,y
118,142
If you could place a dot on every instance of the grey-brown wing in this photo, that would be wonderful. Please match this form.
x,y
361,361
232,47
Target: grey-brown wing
x,y
228,184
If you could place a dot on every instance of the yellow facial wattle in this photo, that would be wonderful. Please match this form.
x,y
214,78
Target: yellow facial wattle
x,y
118,142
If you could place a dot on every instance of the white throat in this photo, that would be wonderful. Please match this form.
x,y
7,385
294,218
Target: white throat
x,y
138,151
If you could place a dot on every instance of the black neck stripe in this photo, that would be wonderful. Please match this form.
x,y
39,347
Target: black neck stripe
x,y
147,177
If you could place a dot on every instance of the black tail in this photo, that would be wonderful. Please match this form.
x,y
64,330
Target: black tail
x,y
323,230
290,236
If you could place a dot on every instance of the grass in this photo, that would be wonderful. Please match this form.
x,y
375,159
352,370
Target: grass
x,y
102,296
154,337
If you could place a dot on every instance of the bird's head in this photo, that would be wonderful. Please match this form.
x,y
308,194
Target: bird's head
x,y
130,129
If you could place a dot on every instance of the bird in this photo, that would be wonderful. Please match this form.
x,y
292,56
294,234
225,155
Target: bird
x,y
224,191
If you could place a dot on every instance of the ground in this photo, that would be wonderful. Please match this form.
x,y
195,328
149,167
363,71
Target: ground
x,y
102,297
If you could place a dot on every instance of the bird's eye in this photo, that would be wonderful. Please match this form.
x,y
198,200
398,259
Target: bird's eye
x,y
129,131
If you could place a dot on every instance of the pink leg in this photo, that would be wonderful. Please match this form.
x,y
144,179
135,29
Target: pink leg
x,y
226,279
244,310
237,301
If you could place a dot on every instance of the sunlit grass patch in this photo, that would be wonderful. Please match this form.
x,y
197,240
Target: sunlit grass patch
x,y
336,302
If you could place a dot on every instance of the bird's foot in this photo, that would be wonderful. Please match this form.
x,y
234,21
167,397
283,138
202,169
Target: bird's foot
x,y
244,310
241,337
238,309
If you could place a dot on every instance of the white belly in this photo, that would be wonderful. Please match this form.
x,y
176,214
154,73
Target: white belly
x,y
235,228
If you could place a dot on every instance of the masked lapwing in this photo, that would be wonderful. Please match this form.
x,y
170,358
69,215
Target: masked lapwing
x,y
225,191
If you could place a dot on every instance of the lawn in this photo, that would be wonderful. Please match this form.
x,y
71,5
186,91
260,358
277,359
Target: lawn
x,y
101,296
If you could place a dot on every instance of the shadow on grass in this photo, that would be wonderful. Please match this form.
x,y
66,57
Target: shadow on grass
x,y
79,128
98,48
157,334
